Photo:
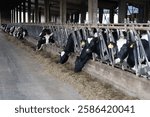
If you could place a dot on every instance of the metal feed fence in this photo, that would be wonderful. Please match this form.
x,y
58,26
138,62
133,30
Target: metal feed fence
x,y
107,55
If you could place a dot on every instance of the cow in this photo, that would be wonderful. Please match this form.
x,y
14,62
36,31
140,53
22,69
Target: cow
x,y
15,32
46,37
3,27
12,29
7,29
91,46
126,52
69,48
86,54
21,33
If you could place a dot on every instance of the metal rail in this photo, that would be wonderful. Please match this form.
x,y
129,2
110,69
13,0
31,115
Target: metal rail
x,y
61,33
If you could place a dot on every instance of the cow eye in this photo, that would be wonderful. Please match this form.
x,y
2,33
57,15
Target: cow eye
x,y
88,50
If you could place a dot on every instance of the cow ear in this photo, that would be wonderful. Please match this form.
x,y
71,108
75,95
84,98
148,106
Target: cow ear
x,y
82,43
59,53
111,45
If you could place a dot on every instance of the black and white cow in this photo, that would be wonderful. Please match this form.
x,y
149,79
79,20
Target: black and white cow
x,y
7,29
86,54
70,46
21,33
15,31
12,29
46,37
126,52
91,46
3,27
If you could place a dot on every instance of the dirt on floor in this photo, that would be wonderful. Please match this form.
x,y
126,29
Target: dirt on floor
x,y
89,87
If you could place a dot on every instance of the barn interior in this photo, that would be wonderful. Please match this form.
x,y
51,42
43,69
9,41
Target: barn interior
x,y
65,16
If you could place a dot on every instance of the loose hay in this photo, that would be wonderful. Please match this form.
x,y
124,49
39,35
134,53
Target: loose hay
x,y
90,88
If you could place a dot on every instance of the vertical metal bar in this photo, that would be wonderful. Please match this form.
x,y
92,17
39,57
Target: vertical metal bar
x,y
148,34
135,53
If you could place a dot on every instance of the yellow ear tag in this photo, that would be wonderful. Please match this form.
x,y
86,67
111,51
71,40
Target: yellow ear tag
x,y
110,45
132,45
82,43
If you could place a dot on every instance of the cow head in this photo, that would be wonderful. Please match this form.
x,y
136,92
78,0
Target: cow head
x,y
43,32
92,45
82,59
46,37
68,49
49,37
7,29
12,30
25,33
21,32
82,43
86,53
126,52
63,57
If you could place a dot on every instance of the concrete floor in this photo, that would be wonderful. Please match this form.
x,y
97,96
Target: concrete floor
x,y
21,78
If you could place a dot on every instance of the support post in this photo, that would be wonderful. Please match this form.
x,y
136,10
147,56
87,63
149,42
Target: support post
x,y
71,20
16,14
40,14
146,8
11,16
122,11
20,9
33,16
24,12
92,11
76,17
83,8
29,11
63,11
111,15
46,11
149,10
100,15
36,11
